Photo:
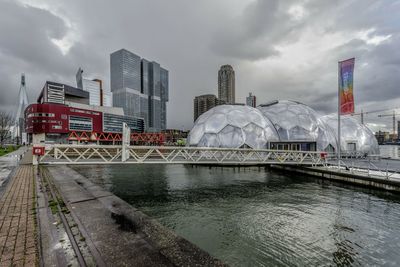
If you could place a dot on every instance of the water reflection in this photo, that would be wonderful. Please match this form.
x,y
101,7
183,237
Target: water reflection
x,y
255,217
390,151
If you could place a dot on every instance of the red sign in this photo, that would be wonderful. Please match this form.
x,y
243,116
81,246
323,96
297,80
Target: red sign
x,y
38,150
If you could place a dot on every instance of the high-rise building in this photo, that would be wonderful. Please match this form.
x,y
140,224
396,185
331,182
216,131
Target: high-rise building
x,y
251,100
97,95
226,84
140,87
19,128
202,104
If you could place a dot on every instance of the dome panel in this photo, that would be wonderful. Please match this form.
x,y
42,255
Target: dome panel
x,y
255,136
231,136
209,140
215,123
237,118
196,134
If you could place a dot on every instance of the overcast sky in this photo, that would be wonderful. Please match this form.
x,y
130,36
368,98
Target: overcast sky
x,y
279,49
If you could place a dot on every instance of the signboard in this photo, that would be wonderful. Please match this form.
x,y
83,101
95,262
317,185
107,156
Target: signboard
x,y
346,71
38,150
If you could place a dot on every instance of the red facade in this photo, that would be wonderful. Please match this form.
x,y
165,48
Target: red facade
x,y
54,118
51,118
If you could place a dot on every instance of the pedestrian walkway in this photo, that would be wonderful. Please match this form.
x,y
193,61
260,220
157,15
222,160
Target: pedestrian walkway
x,y
18,245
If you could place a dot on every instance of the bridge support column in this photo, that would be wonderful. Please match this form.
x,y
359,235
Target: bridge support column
x,y
126,139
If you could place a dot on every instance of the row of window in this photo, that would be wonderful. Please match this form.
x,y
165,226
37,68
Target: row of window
x,y
30,115
80,123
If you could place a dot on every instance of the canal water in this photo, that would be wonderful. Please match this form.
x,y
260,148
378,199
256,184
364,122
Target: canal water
x,y
390,151
256,217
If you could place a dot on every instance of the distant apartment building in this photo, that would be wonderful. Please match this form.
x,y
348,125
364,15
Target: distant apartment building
x,y
251,100
226,84
202,104
98,96
140,87
382,137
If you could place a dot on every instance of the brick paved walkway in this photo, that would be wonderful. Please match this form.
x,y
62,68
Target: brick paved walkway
x,y
17,221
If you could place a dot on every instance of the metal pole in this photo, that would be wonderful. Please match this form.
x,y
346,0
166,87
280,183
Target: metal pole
x,y
338,150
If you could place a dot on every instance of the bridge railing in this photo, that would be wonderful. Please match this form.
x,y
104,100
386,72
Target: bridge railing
x,y
108,154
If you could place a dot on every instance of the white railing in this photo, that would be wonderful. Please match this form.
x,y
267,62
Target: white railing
x,y
107,154
365,168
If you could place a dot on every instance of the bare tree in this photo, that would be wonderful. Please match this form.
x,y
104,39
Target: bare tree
x,y
6,122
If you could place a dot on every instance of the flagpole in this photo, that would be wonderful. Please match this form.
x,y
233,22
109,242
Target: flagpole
x,y
339,145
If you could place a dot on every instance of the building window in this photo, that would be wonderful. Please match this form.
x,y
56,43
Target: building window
x,y
77,123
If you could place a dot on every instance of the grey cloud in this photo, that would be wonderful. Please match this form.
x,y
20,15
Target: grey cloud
x,y
253,35
26,46
193,38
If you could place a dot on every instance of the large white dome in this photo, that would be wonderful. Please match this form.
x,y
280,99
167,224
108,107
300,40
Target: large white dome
x,y
232,126
355,137
293,121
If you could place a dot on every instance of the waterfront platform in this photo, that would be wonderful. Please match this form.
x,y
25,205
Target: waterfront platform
x,y
379,174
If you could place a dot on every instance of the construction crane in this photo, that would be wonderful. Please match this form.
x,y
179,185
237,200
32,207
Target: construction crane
x,y
362,113
394,119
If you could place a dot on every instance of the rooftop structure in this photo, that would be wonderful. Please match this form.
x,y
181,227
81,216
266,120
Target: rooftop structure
x,y
59,93
98,96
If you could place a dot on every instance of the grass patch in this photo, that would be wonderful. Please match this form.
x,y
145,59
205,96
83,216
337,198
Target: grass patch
x,y
7,149
53,206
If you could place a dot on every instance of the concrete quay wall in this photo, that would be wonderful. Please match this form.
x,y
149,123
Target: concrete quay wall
x,y
120,234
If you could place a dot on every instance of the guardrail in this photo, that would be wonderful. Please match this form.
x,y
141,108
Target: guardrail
x,y
365,167
107,154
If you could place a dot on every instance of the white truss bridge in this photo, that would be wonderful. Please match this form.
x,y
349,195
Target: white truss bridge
x,y
107,154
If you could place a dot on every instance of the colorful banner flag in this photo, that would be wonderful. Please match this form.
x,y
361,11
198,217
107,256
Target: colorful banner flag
x,y
346,70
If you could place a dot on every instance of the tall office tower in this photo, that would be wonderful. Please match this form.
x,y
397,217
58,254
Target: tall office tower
x,y
164,77
251,100
97,95
140,87
226,84
202,104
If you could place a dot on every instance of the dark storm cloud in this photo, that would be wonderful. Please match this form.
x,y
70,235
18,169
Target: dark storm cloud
x,y
279,49
253,34
25,45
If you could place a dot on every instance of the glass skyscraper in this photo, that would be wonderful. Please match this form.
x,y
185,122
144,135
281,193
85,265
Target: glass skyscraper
x,y
140,87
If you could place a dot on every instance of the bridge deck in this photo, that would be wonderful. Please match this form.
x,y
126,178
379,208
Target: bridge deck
x,y
104,154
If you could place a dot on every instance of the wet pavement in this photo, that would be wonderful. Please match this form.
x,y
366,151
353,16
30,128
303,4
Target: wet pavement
x,y
8,163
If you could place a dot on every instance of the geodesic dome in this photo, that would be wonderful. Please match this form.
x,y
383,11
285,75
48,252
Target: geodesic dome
x,y
232,126
293,121
326,140
355,137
